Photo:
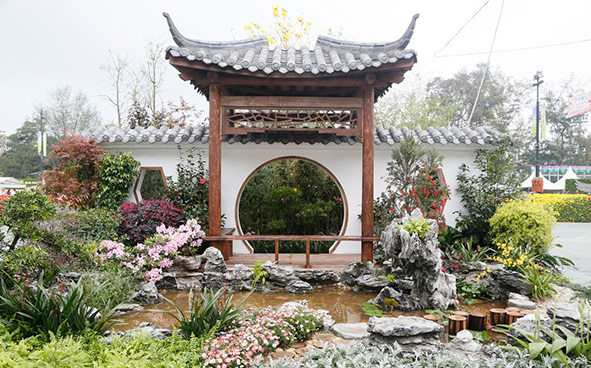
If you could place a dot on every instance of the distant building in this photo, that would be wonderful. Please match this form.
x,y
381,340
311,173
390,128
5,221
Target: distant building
x,y
555,176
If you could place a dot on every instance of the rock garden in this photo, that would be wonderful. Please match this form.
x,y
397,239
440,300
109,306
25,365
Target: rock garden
x,y
79,267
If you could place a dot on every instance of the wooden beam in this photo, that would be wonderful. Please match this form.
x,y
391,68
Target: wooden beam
x,y
367,174
215,161
287,102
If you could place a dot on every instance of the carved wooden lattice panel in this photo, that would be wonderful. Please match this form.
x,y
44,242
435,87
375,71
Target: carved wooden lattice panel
x,y
257,120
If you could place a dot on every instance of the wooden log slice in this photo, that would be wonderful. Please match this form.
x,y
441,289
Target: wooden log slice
x,y
432,317
512,317
513,309
461,313
477,321
498,316
457,324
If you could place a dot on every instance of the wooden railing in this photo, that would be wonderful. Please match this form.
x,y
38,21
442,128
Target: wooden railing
x,y
277,238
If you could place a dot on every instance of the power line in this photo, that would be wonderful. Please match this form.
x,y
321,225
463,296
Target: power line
x,y
492,45
518,49
461,28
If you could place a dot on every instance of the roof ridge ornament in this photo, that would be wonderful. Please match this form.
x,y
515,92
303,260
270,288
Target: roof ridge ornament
x,y
182,41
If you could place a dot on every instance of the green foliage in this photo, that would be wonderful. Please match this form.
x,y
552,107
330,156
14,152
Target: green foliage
x,y
209,312
412,182
29,259
563,342
94,225
138,351
28,311
116,175
481,193
111,287
372,309
524,223
22,210
291,197
153,185
390,277
540,281
469,291
418,226
570,185
190,191
259,273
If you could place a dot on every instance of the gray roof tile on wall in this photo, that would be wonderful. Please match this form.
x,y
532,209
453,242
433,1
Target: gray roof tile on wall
x,y
328,56
200,134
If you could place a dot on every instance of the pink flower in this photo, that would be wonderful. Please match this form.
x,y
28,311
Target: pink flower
x,y
202,181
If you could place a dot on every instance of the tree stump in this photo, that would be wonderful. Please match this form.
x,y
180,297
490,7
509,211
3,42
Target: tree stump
x,y
462,313
432,317
513,309
512,317
498,316
477,321
457,324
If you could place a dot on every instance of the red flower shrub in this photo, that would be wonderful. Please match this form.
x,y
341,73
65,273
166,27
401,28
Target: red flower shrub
x,y
140,220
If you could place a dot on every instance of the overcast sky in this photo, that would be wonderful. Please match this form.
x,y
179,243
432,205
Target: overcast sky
x,y
46,44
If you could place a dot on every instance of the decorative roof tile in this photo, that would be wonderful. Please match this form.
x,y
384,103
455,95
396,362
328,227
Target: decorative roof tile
x,y
328,56
200,134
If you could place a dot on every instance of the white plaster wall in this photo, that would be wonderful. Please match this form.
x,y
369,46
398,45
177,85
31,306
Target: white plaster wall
x,y
344,161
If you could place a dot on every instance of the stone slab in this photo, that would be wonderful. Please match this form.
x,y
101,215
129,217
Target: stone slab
x,y
350,331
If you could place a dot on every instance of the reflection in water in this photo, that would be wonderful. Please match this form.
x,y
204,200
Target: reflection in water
x,y
343,306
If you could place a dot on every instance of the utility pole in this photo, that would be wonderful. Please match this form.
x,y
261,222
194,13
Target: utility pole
x,y
40,146
537,78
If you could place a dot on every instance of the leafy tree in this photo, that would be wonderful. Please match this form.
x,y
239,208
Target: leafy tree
x,y
116,175
283,32
413,108
499,103
493,183
75,180
68,112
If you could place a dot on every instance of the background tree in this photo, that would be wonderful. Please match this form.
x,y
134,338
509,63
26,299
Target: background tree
x,y
118,73
152,73
20,159
68,112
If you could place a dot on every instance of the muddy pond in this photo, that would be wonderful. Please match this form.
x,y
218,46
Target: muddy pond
x,y
343,305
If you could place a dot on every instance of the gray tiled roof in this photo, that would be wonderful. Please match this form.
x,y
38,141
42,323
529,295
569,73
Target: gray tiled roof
x,y
200,134
329,55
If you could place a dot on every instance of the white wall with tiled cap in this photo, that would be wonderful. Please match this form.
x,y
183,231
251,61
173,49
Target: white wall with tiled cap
x,y
344,161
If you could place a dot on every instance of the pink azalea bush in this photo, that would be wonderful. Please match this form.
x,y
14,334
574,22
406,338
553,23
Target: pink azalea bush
x,y
155,253
260,333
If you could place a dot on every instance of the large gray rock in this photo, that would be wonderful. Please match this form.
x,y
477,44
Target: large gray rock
x,y
354,270
214,280
279,275
371,282
242,272
404,302
299,287
148,294
565,316
314,277
500,283
421,260
350,331
214,261
168,281
188,263
520,301
404,330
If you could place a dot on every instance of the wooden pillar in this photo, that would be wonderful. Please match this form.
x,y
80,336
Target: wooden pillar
x,y
367,172
215,162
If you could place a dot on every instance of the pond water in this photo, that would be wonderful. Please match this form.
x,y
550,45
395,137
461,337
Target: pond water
x,y
344,306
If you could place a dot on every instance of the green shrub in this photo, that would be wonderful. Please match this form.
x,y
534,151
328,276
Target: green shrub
x,y
570,185
259,273
95,225
116,174
469,291
525,224
30,260
567,207
22,210
28,311
209,312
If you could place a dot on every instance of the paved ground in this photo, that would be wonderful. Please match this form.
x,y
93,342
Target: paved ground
x,y
576,241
